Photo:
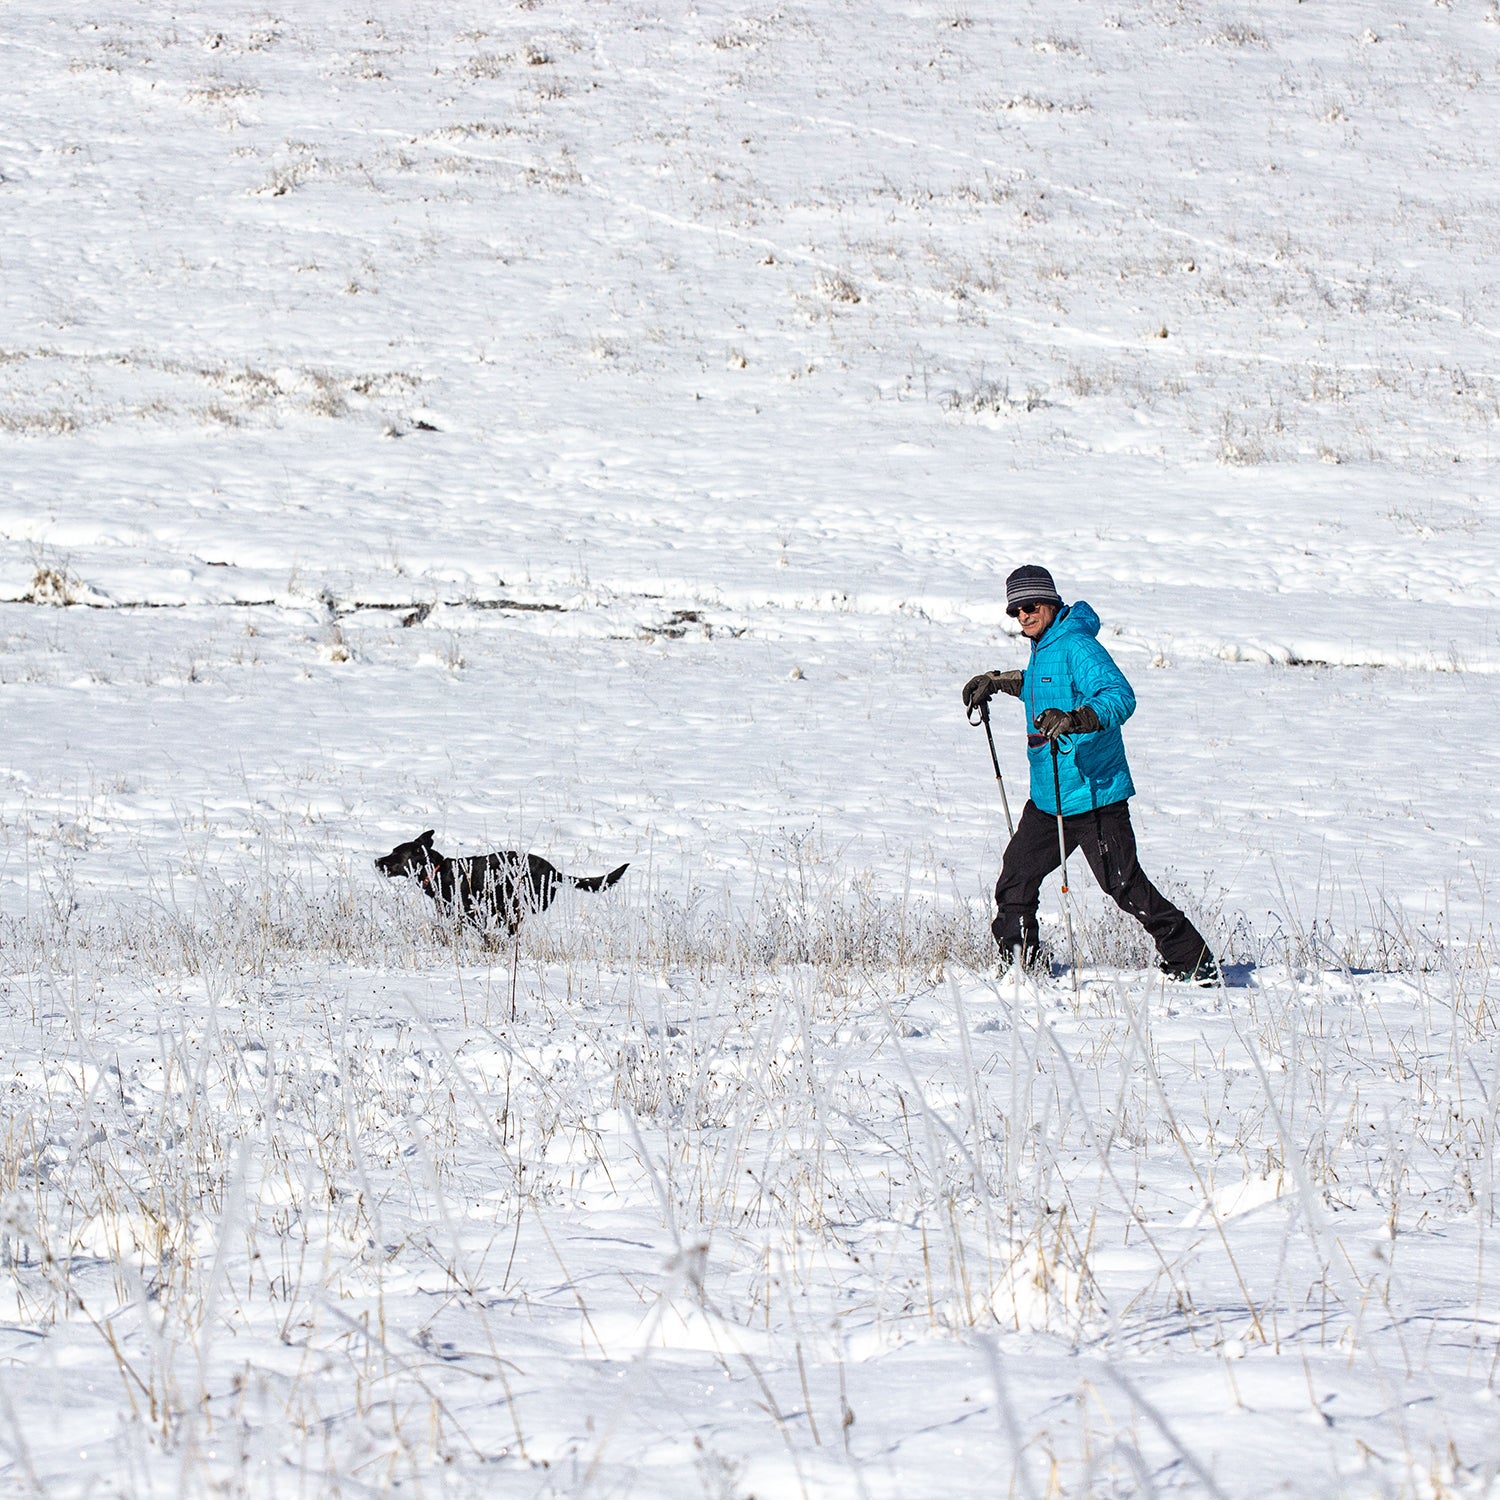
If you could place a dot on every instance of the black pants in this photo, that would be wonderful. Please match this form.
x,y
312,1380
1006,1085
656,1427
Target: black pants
x,y
1108,843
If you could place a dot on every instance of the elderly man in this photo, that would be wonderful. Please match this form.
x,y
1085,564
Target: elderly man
x,y
1076,698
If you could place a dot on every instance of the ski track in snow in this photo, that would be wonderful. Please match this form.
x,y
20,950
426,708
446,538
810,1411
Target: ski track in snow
x,y
605,431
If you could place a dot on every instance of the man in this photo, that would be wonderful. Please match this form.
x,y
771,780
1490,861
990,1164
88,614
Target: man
x,y
1076,698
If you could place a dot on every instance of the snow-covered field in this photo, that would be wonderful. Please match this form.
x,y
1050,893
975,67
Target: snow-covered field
x,y
604,429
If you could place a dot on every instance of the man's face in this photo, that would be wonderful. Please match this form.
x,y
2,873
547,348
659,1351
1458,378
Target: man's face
x,y
1035,619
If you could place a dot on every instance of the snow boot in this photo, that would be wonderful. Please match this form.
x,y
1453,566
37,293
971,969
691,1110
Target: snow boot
x,y
1205,973
1034,960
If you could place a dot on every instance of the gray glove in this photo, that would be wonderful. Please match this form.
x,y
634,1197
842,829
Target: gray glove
x,y
1054,723
979,690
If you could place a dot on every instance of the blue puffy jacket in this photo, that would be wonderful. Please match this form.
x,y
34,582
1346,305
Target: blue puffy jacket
x,y
1068,669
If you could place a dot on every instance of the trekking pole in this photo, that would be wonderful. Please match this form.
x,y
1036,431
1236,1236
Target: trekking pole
x,y
984,718
1062,849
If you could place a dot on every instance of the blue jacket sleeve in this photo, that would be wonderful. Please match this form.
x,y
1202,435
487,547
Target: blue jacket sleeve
x,y
1102,684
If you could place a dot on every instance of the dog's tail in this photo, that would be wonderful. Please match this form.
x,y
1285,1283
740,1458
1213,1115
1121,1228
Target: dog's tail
x,y
598,882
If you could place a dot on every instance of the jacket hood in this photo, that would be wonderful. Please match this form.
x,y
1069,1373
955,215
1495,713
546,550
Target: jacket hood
x,y
1077,619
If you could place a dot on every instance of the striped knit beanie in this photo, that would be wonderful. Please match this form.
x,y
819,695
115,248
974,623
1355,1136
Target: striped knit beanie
x,y
1030,585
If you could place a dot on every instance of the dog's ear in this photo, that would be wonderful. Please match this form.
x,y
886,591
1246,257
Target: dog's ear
x,y
426,838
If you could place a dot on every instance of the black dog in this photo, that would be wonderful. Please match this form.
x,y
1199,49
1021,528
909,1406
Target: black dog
x,y
487,888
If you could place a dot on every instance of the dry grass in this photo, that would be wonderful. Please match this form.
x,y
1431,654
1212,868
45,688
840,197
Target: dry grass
x,y
290,1100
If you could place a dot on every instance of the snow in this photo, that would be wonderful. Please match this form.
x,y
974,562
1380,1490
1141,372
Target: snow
x,y
604,430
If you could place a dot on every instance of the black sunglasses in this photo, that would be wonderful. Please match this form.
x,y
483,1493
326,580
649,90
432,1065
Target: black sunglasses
x,y
1030,607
